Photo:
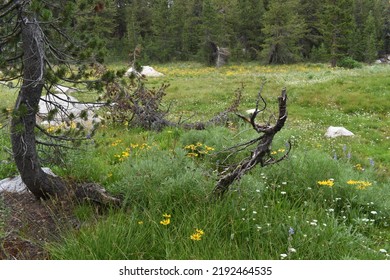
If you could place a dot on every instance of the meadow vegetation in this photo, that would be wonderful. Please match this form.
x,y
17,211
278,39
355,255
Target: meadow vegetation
x,y
329,200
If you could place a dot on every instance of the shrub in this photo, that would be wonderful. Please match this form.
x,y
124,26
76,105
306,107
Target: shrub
x,y
349,63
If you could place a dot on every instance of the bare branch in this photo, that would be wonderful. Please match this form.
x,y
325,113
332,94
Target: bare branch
x,y
262,152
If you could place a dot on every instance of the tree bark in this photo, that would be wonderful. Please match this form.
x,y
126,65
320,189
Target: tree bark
x,y
23,121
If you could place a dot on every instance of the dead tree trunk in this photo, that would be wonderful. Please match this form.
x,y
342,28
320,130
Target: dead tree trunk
x,y
262,153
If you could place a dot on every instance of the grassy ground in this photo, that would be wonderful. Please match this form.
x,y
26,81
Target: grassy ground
x,y
289,211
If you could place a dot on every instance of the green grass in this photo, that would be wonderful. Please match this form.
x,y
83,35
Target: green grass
x,y
155,175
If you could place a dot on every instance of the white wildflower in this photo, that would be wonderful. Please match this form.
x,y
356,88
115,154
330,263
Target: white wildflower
x,y
292,250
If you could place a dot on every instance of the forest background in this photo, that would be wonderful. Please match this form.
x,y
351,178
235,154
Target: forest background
x,y
269,31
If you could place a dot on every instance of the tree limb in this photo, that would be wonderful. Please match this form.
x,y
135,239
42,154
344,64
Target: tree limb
x,y
262,152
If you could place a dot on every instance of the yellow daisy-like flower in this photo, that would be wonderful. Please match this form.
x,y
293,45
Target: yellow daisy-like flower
x,y
166,216
197,236
328,183
165,222
360,185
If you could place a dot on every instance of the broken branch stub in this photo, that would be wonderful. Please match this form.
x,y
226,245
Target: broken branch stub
x,y
262,152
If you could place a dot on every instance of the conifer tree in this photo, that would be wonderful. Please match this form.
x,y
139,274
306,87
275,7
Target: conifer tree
x,y
43,43
283,29
249,23
336,26
370,39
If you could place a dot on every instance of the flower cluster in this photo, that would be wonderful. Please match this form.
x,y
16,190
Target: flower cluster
x,y
126,153
360,185
116,142
198,149
167,219
329,183
359,167
57,128
122,156
197,235
278,151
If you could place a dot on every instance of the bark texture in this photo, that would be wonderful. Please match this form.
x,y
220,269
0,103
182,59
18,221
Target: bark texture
x,y
23,121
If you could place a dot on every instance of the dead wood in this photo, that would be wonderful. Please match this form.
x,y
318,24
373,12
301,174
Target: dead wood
x,y
261,154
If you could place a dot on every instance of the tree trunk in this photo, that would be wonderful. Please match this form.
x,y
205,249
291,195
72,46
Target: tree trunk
x,y
23,121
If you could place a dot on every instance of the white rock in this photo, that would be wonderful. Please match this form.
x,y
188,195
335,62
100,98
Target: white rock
x,y
335,131
147,71
15,184
66,105
64,89
250,112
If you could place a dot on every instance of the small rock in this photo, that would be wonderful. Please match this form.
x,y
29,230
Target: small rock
x,y
147,71
335,131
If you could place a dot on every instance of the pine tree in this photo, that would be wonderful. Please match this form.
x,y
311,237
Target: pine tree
x,y
139,25
43,43
370,39
336,27
192,29
310,11
249,23
283,29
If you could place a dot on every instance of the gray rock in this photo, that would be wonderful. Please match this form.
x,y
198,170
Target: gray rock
x,y
16,185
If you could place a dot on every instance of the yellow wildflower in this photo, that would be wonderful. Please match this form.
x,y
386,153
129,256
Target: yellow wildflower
x,y
116,143
328,183
140,222
134,146
165,222
360,185
197,236
359,167
192,155
209,148
166,216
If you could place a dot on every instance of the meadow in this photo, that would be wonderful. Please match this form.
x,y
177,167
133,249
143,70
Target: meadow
x,y
330,199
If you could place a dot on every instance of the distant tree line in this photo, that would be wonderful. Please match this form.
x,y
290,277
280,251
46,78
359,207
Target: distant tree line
x,y
270,31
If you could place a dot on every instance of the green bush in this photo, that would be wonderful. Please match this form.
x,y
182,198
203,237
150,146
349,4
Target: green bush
x,y
349,63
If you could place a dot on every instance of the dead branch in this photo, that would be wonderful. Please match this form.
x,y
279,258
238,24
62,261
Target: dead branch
x,y
262,152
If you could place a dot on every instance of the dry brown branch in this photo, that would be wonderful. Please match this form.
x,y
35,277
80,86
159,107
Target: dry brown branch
x,y
262,152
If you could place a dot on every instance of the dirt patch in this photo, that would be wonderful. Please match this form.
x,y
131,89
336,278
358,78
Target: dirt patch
x,y
29,224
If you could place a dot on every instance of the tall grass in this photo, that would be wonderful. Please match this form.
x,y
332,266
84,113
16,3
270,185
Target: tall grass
x,y
256,219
